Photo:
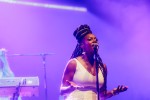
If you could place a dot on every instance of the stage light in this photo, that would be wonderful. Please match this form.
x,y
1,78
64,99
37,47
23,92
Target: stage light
x,y
47,5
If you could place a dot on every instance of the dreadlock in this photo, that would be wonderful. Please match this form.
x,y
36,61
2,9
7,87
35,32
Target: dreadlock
x,y
77,52
104,71
79,34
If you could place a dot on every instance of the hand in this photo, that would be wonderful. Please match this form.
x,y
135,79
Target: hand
x,y
119,89
74,85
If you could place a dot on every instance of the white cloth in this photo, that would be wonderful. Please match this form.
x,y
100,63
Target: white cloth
x,y
83,78
5,71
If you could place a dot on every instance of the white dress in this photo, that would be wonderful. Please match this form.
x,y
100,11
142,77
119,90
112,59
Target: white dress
x,y
83,78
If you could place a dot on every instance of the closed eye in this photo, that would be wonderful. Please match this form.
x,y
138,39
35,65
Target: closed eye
x,y
89,39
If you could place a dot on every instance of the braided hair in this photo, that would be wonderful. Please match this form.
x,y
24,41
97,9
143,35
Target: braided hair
x,y
79,34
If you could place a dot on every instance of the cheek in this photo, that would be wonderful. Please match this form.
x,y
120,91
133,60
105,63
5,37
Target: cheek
x,y
88,47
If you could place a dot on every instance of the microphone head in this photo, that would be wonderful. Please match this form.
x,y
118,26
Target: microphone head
x,y
95,46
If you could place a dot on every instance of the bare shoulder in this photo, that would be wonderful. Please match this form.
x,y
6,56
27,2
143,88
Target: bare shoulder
x,y
69,71
71,65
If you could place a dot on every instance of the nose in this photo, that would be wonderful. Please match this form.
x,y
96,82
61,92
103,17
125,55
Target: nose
x,y
95,41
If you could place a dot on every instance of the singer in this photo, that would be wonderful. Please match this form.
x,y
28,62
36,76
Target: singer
x,y
85,69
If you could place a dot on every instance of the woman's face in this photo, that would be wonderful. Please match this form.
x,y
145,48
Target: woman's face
x,y
88,43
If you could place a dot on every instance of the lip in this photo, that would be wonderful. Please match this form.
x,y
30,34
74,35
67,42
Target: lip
x,y
95,44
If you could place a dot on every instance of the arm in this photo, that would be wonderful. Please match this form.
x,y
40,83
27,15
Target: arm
x,y
67,85
107,94
115,91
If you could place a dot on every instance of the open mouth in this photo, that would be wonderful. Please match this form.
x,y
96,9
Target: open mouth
x,y
95,45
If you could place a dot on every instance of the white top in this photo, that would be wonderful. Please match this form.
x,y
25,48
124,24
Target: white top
x,y
83,78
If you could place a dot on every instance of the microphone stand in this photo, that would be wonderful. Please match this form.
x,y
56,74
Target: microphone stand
x,y
97,68
45,76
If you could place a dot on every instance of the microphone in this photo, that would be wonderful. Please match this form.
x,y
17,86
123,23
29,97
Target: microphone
x,y
95,46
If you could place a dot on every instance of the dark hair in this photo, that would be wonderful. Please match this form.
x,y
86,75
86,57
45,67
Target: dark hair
x,y
79,34
81,31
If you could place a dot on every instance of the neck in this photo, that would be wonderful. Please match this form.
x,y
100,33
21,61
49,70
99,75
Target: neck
x,y
89,58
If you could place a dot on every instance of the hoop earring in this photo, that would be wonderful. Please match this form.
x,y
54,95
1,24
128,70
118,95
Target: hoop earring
x,y
83,53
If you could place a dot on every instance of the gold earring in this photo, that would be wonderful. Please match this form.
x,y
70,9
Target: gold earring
x,y
83,53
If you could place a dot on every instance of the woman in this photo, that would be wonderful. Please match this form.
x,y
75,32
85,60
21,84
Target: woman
x,y
5,70
79,78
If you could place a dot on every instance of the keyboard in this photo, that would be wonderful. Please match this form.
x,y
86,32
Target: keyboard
x,y
25,86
